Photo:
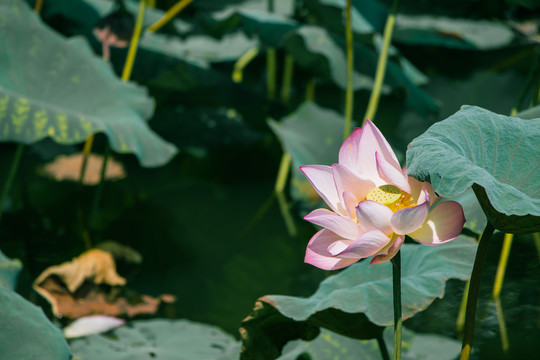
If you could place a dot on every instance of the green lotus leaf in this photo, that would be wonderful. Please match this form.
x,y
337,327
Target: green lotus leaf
x,y
52,87
498,156
26,333
161,339
364,289
415,346
453,33
9,271
311,135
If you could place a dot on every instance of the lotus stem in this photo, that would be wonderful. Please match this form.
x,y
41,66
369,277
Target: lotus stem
x,y
537,243
151,3
86,152
310,90
349,92
503,261
134,43
271,73
288,69
502,325
270,5
283,172
381,65
382,347
11,175
38,5
99,190
169,15
242,62
462,309
396,287
474,286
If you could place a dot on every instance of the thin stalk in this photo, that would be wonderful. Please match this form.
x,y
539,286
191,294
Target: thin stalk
x,y
271,73
169,15
86,152
270,5
11,176
382,347
283,172
349,92
381,65
286,213
288,69
38,5
134,43
310,90
472,295
99,190
502,325
503,261
242,62
151,3
537,243
462,309
396,287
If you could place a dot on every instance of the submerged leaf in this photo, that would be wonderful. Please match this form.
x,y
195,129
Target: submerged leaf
x,y
498,156
161,339
53,87
26,333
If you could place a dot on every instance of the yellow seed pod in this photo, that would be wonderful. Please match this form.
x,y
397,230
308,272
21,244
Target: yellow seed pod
x,y
387,195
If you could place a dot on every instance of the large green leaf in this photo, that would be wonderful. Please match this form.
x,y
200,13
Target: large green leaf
x,y
454,33
329,345
161,339
51,87
364,289
495,154
9,271
26,333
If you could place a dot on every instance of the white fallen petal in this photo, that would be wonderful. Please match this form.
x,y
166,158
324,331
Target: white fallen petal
x,y
89,325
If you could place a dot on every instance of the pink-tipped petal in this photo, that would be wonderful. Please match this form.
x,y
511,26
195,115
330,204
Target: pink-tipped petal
x,y
374,216
443,223
317,253
341,225
391,174
389,253
367,244
407,220
321,178
348,181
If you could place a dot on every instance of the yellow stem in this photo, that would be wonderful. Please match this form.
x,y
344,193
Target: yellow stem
x,y
133,44
271,73
38,6
349,93
283,172
152,3
310,90
503,261
502,325
242,62
286,213
86,152
537,243
288,70
462,310
171,13
381,65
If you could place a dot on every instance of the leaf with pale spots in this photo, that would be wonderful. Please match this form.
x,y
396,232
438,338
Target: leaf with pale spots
x,y
57,88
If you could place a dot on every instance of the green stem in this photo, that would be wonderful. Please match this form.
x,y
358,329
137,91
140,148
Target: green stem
x,y
349,93
310,90
288,69
134,43
270,5
474,286
382,347
11,176
503,261
398,320
169,15
381,65
271,73
99,190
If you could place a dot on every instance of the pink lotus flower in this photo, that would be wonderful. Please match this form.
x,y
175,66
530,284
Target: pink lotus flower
x,y
374,205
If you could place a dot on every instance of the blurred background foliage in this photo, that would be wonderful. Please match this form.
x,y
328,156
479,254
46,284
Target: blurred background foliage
x,y
206,222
